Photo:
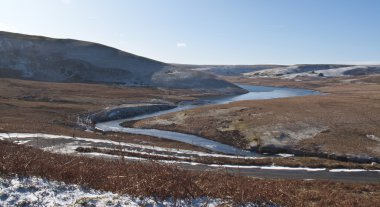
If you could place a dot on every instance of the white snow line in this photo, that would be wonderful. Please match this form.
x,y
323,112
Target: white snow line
x,y
51,136
29,135
353,170
220,166
285,155
292,168
273,167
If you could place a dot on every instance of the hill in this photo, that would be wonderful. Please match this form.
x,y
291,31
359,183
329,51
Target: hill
x,y
228,70
67,60
316,70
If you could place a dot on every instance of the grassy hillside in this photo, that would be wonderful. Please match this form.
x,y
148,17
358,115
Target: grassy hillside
x,y
66,60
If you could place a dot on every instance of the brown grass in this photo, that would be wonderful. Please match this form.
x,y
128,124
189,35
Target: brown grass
x,y
312,162
53,108
163,181
344,117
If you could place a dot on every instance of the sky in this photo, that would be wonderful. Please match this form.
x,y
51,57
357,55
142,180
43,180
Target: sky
x,y
211,31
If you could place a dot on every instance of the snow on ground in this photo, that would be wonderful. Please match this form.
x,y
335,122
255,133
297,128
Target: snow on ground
x,y
336,72
226,166
285,155
273,71
294,71
33,191
351,170
69,148
273,167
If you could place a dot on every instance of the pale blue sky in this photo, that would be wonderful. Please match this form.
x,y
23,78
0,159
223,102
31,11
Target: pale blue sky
x,y
211,31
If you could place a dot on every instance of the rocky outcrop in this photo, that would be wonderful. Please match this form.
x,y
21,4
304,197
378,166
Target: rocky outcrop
x,y
121,112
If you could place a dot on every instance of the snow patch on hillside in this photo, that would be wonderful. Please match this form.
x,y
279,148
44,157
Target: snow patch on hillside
x,y
294,71
339,71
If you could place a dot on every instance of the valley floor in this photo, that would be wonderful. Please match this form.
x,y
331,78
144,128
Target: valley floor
x,y
345,121
346,116
43,107
342,124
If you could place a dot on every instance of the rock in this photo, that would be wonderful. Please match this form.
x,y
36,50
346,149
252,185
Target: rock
x,y
126,111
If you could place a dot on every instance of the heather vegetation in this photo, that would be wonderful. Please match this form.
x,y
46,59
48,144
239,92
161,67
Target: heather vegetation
x,y
164,181
341,124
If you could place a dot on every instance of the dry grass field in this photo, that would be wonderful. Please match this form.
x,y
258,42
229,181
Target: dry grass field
x,y
163,181
311,162
344,121
43,107
40,107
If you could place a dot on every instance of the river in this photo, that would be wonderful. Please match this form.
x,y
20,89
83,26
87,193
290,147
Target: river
x,y
255,93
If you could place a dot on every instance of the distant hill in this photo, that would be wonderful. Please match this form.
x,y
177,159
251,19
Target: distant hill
x,y
316,70
228,70
285,71
67,60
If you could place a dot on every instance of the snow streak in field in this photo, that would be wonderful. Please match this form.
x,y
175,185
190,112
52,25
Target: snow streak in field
x,y
154,148
70,148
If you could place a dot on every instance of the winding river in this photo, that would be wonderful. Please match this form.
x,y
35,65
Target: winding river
x,y
255,93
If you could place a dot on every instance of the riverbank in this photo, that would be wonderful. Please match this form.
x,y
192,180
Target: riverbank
x,y
44,107
342,125
255,93
54,108
59,105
